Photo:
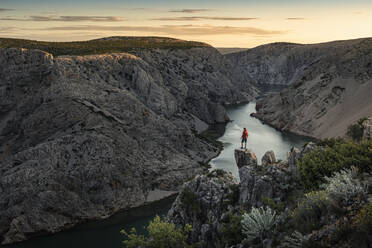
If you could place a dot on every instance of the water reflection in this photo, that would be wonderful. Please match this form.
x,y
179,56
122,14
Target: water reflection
x,y
262,138
103,233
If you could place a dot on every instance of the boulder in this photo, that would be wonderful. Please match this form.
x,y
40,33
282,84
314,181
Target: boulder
x,y
245,157
367,125
268,158
293,156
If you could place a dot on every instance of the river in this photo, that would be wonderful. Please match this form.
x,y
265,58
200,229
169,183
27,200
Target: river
x,y
262,138
106,233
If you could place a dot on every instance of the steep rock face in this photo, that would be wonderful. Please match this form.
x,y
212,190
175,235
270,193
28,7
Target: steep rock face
x,y
330,84
245,157
273,64
209,202
201,204
82,137
199,76
367,125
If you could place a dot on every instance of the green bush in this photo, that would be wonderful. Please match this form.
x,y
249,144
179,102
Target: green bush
x,y
295,240
362,226
337,154
234,196
271,203
307,215
344,186
189,201
231,231
162,234
355,131
363,220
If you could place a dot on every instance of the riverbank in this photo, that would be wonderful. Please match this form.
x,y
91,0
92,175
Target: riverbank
x,y
225,136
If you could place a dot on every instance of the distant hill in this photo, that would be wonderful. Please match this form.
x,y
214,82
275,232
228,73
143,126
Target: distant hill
x,y
329,84
100,46
227,50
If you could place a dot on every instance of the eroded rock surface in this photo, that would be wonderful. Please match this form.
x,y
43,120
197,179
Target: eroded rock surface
x,y
82,137
202,203
329,84
245,157
209,202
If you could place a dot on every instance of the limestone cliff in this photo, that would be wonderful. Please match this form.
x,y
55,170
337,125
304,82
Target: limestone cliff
x,y
330,84
82,137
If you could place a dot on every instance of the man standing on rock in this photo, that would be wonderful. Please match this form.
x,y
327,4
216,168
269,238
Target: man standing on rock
x,y
244,138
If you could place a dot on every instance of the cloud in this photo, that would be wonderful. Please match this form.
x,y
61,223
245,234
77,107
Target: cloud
x,y
7,29
174,29
66,19
295,19
188,10
199,18
3,10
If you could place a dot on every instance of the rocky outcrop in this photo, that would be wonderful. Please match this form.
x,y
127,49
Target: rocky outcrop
x,y
302,218
202,203
367,129
294,155
329,84
209,202
257,183
82,137
244,157
268,158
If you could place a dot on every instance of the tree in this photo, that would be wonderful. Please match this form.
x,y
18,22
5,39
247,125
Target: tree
x,y
162,234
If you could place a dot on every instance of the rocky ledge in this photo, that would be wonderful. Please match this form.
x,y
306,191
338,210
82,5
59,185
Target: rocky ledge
x,y
212,202
269,208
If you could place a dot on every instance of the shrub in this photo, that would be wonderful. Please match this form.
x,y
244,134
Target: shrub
x,y
189,201
233,197
295,240
231,231
344,185
355,131
259,223
336,155
362,226
271,203
216,173
363,220
308,213
162,234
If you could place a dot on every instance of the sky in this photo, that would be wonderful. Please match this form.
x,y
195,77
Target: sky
x,y
228,23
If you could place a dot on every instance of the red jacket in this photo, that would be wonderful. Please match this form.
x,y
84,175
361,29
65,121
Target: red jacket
x,y
245,134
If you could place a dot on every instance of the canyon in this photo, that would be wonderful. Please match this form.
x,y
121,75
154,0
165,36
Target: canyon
x,y
85,136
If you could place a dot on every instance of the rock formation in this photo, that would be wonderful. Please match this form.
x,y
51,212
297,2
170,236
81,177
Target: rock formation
x,y
268,158
82,137
215,205
245,157
330,84
202,203
208,202
367,125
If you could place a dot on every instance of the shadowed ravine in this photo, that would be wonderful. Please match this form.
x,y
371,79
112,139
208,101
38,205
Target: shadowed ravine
x,y
106,233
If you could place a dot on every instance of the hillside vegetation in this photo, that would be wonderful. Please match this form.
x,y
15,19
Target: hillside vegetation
x,y
100,46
